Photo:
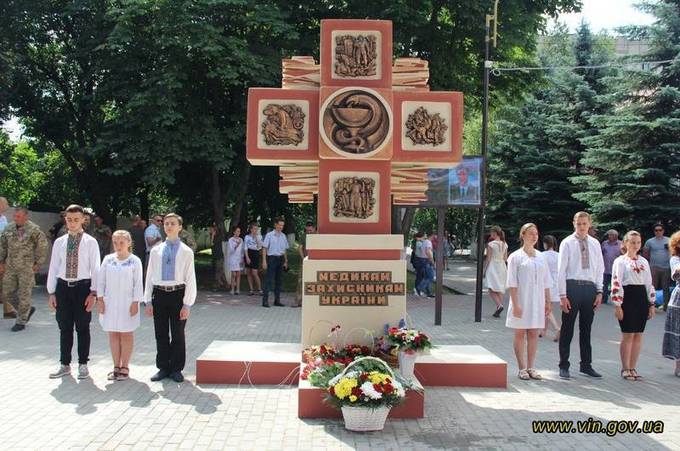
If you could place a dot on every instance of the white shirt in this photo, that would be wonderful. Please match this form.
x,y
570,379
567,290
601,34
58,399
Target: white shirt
x,y
3,223
151,232
254,244
628,271
570,263
276,243
421,248
88,262
184,272
552,258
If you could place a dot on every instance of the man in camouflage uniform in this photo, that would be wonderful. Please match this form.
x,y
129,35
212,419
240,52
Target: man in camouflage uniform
x,y
8,311
23,248
102,233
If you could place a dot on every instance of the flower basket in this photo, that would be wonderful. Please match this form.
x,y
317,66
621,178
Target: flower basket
x,y
365,398
364,419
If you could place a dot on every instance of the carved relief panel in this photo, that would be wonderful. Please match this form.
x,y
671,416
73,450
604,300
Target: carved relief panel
x,y
426,126
356,55
284,124
355,122
354,197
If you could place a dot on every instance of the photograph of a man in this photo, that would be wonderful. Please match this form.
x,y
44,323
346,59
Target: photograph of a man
x,y
464,184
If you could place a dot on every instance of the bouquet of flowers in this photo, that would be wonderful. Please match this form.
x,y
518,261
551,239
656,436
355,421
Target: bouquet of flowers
x,y
365,389
407,340
325,362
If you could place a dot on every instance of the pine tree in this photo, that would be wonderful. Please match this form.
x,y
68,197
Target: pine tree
x,y
535,154
632,165
537,148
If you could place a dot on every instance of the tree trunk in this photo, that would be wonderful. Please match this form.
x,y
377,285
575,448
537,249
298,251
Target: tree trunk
x,y
240,192
144,204
406,222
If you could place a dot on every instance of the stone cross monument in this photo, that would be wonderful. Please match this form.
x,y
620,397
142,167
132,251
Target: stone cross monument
x,y
359,143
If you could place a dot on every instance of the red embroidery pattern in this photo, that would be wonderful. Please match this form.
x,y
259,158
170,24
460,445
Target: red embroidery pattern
x,y
72,246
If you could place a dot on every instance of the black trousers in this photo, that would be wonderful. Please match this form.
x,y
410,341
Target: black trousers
x,y
273,277
170,344
71,313
582,297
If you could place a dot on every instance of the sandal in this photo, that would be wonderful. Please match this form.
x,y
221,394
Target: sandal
x,y
534,374
113,375
557,336
626,374
524,375
123,376
635,374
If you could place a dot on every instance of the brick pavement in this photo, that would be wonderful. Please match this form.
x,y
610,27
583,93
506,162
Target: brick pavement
x,y
39,413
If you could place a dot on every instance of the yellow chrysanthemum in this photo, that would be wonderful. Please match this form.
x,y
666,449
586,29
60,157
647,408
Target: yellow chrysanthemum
x,y
352,398
377,378
344,387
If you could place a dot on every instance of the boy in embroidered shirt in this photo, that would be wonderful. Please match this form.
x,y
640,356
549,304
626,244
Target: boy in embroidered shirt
x,y
72,288
169,293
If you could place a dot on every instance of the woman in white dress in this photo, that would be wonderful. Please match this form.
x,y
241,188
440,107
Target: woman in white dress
x,y
236,250
529,284
495,269
119,291
552,258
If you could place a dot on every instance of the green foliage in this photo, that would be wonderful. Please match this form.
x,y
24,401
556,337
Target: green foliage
x,y
632,165
18,178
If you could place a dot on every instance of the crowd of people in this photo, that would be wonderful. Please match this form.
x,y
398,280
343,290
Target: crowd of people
x,y
578,278
116,271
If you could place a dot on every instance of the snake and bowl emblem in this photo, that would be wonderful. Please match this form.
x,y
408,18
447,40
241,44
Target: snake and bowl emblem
x,y
356,122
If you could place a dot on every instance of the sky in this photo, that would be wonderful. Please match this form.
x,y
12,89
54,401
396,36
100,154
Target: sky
x,y
607,15
601,14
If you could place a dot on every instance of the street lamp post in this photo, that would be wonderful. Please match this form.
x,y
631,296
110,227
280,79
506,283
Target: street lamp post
x,y
488,64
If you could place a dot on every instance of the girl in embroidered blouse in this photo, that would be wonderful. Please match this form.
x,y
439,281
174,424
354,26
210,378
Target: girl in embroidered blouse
x,y
633,295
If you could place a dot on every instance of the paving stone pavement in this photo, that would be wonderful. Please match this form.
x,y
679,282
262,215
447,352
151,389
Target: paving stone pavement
x,y
39,413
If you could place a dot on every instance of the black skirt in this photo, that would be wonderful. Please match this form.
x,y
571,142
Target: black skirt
x,y
635,309
254,257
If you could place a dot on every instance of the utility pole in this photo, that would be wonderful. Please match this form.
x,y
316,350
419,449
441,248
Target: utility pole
x,y
488,65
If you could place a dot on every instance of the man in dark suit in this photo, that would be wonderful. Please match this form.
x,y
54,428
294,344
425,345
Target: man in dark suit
x,y
464,192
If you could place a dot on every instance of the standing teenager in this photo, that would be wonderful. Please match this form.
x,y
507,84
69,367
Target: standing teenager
x,y
169,293
580,275
72,289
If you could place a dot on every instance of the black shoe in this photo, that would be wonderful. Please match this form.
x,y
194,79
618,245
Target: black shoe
x,y
564,373
17,327
159,376
497,313
278,304
177,377
590,372
30,314
430,296
265,305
